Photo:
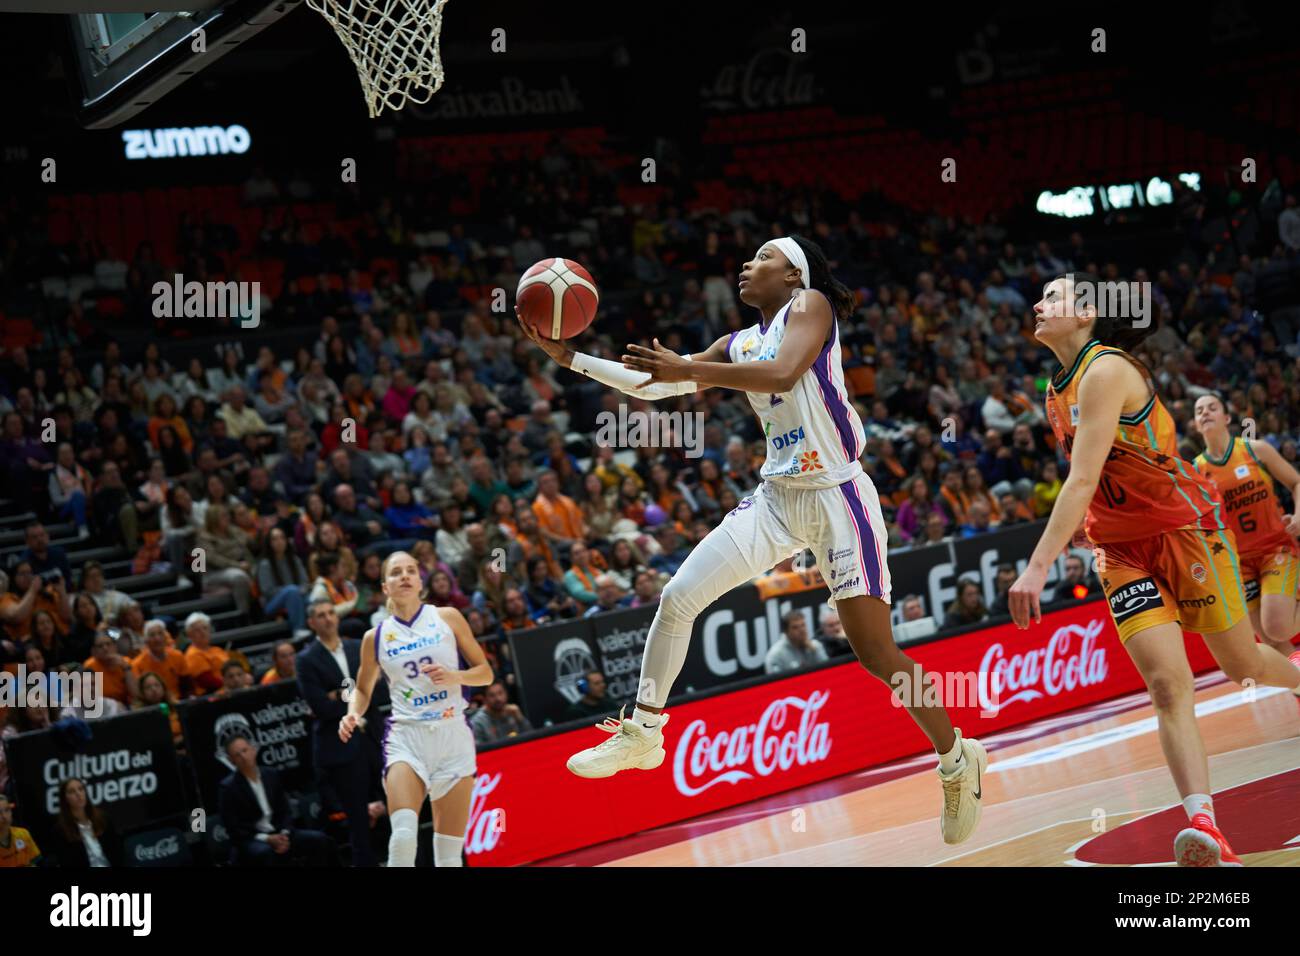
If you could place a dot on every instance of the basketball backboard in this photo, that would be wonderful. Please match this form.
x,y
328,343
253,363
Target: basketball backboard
x,y
122,61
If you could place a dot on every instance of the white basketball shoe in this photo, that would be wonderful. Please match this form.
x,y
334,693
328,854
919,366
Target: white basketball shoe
x,y
963,791
630,746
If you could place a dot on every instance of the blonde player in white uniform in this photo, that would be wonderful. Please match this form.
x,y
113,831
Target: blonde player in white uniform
x,y
814,494
428,745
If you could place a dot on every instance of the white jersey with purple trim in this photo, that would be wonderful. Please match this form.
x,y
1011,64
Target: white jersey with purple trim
x,y
401,647
814,435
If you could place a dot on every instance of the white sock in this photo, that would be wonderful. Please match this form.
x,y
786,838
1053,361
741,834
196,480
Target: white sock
x,y
645,718
401,845
948,762
1195,803
446,850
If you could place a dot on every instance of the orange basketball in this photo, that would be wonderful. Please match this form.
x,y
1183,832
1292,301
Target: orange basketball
x,y
557,297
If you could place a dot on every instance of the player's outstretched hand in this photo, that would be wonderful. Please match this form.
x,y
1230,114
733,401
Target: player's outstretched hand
x,y
1023,597
663,364
558,351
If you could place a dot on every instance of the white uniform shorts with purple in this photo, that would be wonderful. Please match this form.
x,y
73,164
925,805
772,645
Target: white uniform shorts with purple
x,y
841,525
440,752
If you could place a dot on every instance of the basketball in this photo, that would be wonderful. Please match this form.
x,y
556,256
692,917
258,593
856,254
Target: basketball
x,y
557,297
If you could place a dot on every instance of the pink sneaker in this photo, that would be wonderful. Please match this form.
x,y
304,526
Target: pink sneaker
x,y
1201,844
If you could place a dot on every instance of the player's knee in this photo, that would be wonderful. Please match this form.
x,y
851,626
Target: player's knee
x,y
1243,671
402,842
879,661
676,603
1169,691
1277,628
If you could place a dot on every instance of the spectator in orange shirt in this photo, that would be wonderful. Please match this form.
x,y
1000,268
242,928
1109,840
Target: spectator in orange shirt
x,y
119,682
530,542
662,490
977,490
558,515
285,666
153,693
164,414
17,848
29,593
954,494
203,662
157,658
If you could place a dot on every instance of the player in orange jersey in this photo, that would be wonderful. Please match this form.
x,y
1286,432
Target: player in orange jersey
x,y
1167,562
1243,471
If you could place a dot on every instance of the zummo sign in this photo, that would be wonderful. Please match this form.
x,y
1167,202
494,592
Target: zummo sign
x,y
178,141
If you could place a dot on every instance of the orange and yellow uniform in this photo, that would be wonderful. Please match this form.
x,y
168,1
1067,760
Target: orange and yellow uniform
x,y
1165,553
1270,558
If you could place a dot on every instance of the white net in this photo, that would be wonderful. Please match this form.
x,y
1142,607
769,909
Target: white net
x,y
394,46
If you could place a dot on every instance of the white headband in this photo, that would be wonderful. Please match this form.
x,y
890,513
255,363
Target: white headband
x,y
794,253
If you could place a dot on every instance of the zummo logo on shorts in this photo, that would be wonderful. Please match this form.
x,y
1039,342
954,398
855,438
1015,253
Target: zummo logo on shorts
x,y
1117,300
179,299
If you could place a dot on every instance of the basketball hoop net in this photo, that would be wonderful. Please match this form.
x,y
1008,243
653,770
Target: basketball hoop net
x,y
394,46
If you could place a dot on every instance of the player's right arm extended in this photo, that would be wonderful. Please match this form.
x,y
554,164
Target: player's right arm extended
x,y
628,381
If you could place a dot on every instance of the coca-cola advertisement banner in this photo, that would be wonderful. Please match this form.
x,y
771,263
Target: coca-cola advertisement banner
x,y
735,747
274,718
730,639
128,766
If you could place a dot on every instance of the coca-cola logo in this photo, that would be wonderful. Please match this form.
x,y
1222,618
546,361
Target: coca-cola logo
x,y
1063,665
769,79
168,846
775,742
485,827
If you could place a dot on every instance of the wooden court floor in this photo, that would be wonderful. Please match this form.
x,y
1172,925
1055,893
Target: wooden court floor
x,y
1088,788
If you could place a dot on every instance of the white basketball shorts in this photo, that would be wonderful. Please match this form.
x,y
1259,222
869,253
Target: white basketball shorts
x,y
440,752
842,526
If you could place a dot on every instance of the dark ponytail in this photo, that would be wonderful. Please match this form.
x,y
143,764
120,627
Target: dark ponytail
x,y
1109,329
840,295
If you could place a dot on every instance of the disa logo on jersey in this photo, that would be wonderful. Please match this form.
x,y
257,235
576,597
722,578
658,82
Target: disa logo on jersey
x,y
789,438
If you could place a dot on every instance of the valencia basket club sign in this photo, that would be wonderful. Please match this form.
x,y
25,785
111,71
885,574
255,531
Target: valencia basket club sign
x,y
274,718
736,746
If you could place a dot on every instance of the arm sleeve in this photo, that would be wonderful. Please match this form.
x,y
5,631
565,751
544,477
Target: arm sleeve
x,y
626,380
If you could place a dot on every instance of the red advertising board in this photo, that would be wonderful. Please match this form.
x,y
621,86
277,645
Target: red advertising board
x,y
735,747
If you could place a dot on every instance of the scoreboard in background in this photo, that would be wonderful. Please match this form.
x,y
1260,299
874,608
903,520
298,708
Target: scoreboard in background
x,y
1080,201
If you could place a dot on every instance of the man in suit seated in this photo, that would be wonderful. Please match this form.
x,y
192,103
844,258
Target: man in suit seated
x,y
326,668
255,810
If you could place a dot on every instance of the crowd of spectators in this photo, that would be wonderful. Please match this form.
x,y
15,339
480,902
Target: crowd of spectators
x,y
411,414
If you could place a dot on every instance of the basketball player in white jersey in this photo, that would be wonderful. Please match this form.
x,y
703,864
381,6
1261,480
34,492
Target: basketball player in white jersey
x,y
428,745
814,494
